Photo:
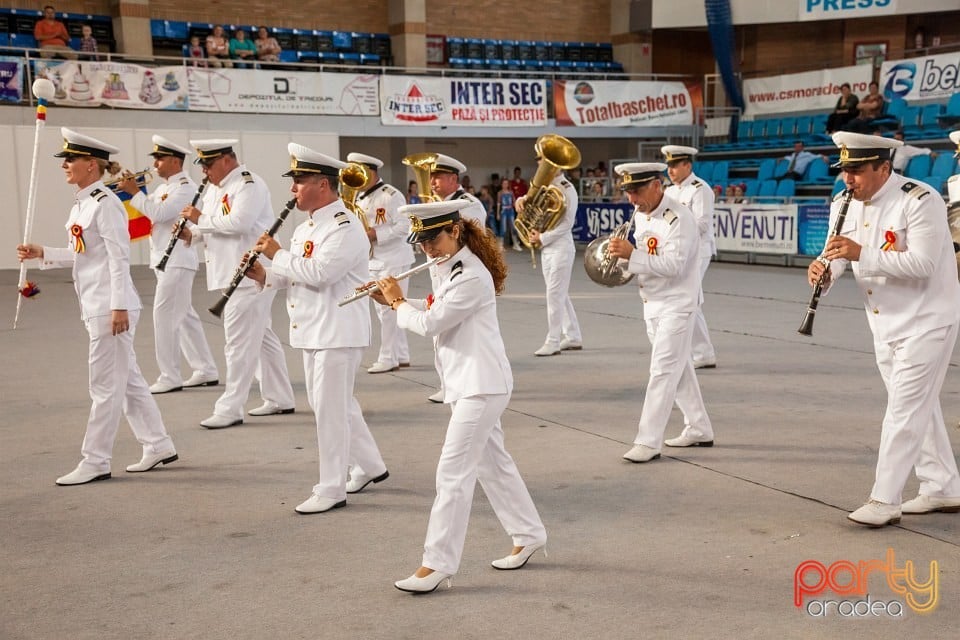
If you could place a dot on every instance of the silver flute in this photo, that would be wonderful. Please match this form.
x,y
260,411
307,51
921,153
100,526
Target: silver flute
x,y
363,292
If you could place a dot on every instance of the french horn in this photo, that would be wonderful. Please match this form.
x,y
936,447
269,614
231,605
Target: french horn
x,y
600,266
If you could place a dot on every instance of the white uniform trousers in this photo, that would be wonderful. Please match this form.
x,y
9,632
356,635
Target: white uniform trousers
x,y
914,434
117,386
672,377
342,433
252,346
701,348
394,348
177,327
473,449
557,266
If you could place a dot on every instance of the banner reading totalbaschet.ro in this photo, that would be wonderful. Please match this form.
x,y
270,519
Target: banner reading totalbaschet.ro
x,y
406,100
621,104
808,91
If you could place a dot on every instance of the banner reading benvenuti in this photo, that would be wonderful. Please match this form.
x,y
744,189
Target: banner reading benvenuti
x,y
413,100
621,104
756,228
294,92
921,78
812,90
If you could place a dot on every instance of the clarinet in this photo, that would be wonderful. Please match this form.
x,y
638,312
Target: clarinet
x,y
217,309
162,265
806,327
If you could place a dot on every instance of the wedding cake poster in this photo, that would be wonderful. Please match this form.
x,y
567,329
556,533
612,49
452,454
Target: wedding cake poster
x,y
115,84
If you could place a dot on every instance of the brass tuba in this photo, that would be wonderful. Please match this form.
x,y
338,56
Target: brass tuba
x,y
423,164
603,268
545,204
353,178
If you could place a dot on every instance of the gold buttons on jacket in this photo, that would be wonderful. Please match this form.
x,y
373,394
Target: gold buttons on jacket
x,y
293,326
866,224
876,311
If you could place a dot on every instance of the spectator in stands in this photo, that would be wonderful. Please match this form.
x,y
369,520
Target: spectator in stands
x,y
798,161
845,111
197,53
52,36
730,193
870,108
88,44
507,213
902,155
487,200
268,49
242,50
518,185
739,191
218,49
596,192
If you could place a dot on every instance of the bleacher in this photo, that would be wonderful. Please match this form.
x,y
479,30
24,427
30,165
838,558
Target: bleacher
x,y
570,59
16,28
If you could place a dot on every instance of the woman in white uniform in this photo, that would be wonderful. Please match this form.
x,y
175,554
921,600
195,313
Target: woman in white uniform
x,y
99,252
461,317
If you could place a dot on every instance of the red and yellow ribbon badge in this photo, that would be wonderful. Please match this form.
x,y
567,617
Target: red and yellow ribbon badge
x,y
891,240
429,300
78,244
652,246
225,205
307,249
381,216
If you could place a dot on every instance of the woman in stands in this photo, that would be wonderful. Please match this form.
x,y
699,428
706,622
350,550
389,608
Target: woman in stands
x,y
268,49
845,111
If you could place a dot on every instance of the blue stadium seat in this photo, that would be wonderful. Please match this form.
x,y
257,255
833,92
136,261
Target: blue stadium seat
x,y
802,127
786,188
176,30
349,58
838,186
817,172
768,188
937,182
369,59
750,187
929,116
782,165
951,115
895,108
945,165
157,29
721,171
910,121
288,55
704,169
22,41
918,167
342,41
767,167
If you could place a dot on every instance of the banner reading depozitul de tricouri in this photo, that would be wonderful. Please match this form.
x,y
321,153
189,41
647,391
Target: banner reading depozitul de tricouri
x,y
406,100
584,103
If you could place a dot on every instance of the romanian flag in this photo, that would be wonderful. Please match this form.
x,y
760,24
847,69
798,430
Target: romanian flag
x,y
138,225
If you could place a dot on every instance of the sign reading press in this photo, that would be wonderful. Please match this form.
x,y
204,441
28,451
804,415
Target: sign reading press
x,y
845,9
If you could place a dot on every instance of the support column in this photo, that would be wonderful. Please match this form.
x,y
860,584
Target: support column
x,y
408,32
631,34
131,27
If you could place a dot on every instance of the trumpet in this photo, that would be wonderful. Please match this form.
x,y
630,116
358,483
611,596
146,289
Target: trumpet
x,y
363,292
218,307
143,178
162,264
806,326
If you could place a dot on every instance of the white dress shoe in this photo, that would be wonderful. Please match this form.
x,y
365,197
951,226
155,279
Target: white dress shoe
x,y
317,504
150,460
876,514
413,584
379,367
570,345
547,350
930,504
358,482
705,364
200,380
220,422
164,387
641,453
269,409
517,560
687,441
437,397
82,475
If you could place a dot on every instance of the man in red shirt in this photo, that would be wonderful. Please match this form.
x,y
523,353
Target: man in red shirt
x,y
52,36
518,185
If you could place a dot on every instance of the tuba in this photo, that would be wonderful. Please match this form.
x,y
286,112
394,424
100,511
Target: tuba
x,y
603,268
423,164
353,178
545,204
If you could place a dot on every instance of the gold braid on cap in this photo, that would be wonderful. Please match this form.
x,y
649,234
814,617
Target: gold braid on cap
x,y
416,224
844,153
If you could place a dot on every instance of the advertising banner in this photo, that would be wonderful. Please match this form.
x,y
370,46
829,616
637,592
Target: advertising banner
x,y
844,9
923,78
11,79
813,90
621,104
288,92
115,84
597,219
414,100
813,221
756,228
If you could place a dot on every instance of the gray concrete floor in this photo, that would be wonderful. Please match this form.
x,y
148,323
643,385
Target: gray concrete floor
x,y
700,544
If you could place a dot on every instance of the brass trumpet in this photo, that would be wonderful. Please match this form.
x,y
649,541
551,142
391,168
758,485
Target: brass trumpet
x,y
143,178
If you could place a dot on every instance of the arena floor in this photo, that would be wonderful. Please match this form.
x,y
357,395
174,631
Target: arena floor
x,y
703,543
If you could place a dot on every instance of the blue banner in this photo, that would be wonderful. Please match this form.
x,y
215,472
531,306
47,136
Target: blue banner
x,y
11,79
813,221
595,219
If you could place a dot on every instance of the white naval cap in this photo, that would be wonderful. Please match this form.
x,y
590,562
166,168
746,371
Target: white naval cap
x,y
447,164
955,139
370,161
212,149
77,144
638,173
305,160
675,153
165,147
428,219
857,148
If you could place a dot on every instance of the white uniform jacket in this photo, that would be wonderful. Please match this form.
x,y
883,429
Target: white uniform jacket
x,y
560,237
163,207
462,319
233,216
99,252
475,211
327,260
380,203
666,259
907,272
695,194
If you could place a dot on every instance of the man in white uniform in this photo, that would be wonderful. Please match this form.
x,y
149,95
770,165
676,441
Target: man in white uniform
x,y
234,214
176,325
896,238
695,194
327,260
391,255
665,261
